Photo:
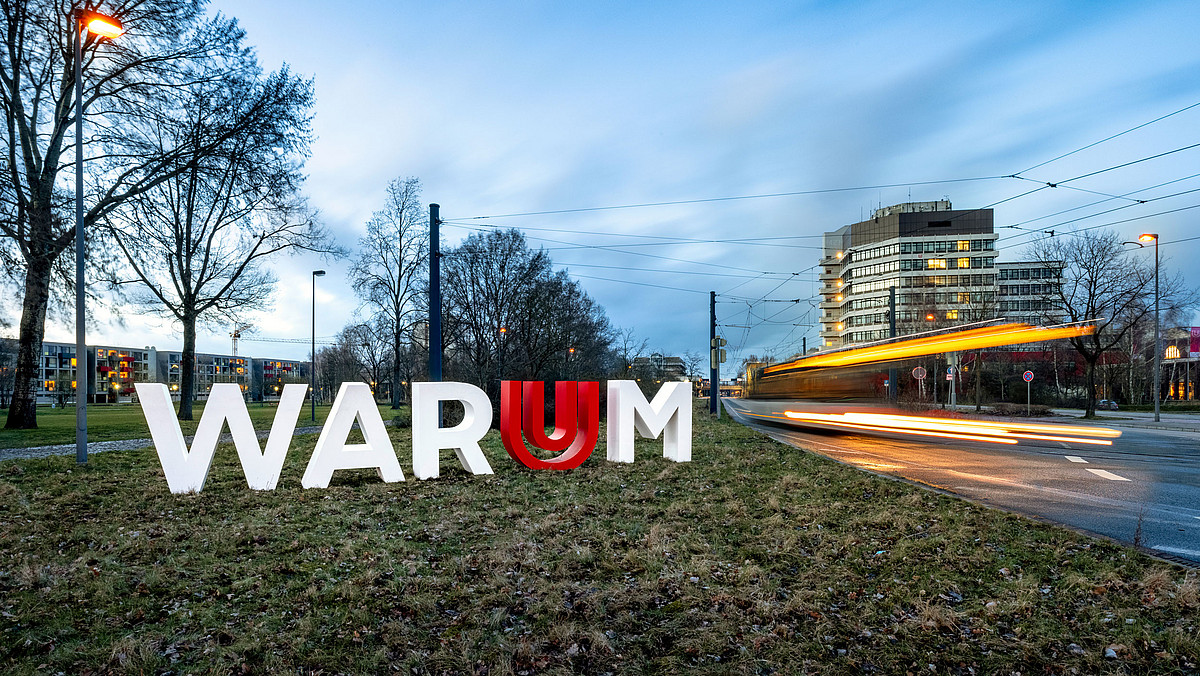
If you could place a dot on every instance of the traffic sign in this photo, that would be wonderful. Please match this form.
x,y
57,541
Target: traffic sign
x,y
717,356
1028,376
919,373
719,342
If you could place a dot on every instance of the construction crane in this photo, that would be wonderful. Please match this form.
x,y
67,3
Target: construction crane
x,y
237,333
305,341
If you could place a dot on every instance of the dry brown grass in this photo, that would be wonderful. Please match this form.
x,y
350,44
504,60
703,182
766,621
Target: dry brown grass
x,y
753,558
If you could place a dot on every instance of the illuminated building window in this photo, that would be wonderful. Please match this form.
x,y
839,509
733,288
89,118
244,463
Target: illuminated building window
x,y
936,263
964,245
1172,352
952,314
964,297
964,262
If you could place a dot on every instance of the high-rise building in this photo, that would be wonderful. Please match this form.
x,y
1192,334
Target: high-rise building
x,y
940,261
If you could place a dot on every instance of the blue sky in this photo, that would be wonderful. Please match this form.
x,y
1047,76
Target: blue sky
x,y
507,108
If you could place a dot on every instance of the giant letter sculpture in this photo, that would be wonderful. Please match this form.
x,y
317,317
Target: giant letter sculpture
x,y
429,437
670,415
186,471
354,401
576,418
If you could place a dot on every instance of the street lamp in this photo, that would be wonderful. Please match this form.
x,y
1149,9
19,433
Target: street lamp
x,y
1153,237
105,27
313,370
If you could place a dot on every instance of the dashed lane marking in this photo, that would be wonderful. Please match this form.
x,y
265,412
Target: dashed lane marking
x,y
1107,474
1075,458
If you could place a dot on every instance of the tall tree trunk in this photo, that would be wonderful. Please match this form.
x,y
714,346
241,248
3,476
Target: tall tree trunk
x,y
396,371
187,369
978,380
22,413
1090,404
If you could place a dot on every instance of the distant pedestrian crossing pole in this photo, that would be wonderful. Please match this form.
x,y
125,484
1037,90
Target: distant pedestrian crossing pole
x,y
1028,376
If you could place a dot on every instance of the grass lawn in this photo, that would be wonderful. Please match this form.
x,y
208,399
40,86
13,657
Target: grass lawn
x,y
112,422
754,558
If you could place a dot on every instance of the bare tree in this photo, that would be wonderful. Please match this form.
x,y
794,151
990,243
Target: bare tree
x,y
628,347
129,92
508,314
371,345
195,242
1106,284
389,271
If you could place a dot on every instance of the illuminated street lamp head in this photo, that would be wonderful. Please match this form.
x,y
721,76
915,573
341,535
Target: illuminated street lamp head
x,y
503,330
100,24
929,317
572,350
1147,237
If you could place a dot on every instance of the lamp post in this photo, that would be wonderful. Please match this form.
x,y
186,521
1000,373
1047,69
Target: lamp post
x,y
106,27
1153,237
313,371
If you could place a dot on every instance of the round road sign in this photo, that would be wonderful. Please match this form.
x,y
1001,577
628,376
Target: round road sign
x,y
1028,376
919,373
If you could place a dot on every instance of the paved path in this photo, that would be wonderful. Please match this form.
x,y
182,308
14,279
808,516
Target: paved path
x,y
124,445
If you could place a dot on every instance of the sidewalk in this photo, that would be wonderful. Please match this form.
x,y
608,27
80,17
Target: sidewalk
x,y
121,445
1180,422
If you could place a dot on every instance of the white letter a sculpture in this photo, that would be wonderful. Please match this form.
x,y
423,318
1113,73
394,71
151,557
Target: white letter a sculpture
x,y
187,470
353,401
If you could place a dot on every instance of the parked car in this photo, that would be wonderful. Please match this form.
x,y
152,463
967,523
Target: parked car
x,y
1108,405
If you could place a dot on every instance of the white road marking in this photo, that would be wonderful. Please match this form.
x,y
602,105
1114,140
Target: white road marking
x,y
1177,550
1075,458
1107,474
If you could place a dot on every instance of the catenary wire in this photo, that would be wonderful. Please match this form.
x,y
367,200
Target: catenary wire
x,y
1109,138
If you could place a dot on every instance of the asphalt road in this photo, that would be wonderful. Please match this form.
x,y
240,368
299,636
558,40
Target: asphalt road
x,y
1145,487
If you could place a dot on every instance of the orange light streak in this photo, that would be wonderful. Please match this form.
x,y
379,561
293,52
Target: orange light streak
x,y
971,339
969,430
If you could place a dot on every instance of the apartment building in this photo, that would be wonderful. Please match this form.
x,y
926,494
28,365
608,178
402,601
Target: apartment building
x,y
110,371
268,376
940,261
210,369
1026,291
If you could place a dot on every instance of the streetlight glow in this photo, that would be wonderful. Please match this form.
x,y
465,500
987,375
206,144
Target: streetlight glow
x,y
102,25
1148,237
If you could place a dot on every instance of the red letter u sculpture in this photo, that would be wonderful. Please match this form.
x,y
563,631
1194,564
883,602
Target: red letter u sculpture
x,y
576,422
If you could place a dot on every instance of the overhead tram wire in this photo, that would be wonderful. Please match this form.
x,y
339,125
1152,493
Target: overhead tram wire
x,y
1050,229
1072,233
1109,138
1092,204
669,272
671,239
656,286
1016,175
794,193
615,249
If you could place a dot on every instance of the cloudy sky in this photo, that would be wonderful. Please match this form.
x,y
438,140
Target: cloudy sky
x,y
542,106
